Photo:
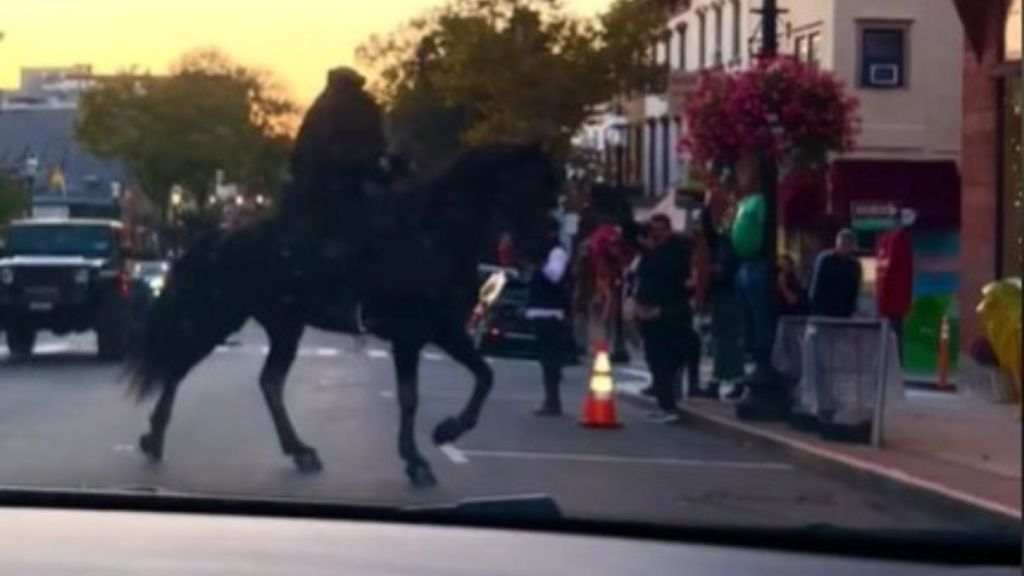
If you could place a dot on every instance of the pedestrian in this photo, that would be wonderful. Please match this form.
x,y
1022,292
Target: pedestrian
x,y
546,310
663,308
835,285
792,295
895,285
726,306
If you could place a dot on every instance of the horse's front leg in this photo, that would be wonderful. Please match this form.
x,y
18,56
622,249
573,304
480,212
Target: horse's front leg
x,y
406,355
459,346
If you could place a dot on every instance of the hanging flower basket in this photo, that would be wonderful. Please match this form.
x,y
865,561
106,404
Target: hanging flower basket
x,y
792,113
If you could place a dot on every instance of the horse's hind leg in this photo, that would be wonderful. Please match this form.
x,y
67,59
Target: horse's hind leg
x,y
284,343
152,442
458,345
406,356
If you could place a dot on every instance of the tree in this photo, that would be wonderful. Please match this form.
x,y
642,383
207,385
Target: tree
x,y
208,114
478,71
13,198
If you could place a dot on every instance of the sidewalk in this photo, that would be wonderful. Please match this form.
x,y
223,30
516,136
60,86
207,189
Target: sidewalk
x,y
955,447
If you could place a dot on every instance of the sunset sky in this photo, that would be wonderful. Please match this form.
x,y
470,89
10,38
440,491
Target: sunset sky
x,y
299,39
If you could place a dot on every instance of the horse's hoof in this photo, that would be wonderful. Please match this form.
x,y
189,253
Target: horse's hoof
x,y
448,430
308,462
149,447
420,475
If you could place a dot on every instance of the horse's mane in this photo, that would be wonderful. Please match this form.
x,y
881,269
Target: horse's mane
x,y
470,168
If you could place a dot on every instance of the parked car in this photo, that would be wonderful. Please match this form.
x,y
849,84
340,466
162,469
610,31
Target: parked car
x,y
67,276
152,274
506,330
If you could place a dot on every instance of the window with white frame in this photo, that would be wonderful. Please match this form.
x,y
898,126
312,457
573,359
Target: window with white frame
x,y
719,30
681,30
702,40
737,19
883,56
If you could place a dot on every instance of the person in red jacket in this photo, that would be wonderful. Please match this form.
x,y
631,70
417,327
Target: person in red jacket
x,y
895,256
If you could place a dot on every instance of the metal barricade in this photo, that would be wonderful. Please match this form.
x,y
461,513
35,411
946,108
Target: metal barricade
x,y
845,370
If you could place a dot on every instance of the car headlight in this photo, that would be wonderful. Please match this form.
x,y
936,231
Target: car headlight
x,y
6,276
81,276
156,285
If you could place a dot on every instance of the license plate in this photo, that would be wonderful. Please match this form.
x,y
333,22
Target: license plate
x,y
40,306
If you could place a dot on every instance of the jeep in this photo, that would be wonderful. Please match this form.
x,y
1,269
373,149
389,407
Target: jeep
x,y
66,276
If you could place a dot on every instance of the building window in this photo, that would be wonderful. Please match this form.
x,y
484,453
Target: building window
x,y
666,148
682,46
718,35
702,40
652,158
883,52
814,49
800,48
737,19
1012,40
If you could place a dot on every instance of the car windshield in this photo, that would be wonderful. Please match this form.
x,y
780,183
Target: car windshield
x,y
58,240
729,263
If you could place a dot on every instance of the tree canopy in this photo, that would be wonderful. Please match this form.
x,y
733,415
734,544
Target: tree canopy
x,y
208,114
476,71
13,198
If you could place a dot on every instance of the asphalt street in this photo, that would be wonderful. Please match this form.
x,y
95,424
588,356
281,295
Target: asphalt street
x,y
67,422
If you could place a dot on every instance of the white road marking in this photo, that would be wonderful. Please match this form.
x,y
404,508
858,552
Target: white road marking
x,y
124,448
630,460
388,394
454,454
52,348
327,352
378,354
433,356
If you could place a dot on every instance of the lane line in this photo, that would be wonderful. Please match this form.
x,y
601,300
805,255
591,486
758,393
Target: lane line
x,y
327,352
454,454
433,356
378,354
629,460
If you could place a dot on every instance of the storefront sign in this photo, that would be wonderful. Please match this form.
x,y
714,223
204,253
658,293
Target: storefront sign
x,y
874,215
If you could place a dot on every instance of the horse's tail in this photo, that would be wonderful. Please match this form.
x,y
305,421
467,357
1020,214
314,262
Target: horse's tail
x,y
193,314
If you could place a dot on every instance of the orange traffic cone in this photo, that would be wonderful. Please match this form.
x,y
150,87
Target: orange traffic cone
x,y
599,407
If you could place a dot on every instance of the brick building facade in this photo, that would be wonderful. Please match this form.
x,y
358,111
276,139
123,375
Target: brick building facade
x,y
991,162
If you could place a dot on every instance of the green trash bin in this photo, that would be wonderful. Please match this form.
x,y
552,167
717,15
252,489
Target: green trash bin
x,y
921,332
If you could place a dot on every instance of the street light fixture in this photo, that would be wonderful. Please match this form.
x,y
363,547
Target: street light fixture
x,y
615,136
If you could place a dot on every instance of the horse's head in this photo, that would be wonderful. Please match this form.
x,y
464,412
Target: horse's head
x,y
524,186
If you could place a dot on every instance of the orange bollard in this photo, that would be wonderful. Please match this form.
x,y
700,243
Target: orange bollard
x,y
944,354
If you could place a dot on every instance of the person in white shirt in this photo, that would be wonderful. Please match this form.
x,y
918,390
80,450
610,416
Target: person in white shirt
x,y
546,309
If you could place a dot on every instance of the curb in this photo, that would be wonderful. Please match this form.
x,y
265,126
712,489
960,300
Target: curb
x,y
849,467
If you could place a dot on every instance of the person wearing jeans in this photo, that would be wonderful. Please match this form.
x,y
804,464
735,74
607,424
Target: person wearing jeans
x,y
546,310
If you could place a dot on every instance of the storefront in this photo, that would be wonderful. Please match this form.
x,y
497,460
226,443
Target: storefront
x,y
991,163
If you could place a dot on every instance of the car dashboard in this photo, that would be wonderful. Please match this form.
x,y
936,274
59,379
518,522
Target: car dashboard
x,y
57,542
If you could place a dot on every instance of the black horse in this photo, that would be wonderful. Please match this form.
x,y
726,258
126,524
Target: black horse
x,y
418,273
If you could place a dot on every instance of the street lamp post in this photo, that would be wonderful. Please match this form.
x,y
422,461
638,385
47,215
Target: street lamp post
x,y
766,399
617,129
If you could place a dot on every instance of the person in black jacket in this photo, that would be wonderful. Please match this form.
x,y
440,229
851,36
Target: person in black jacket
x,y
835,286
663,308
546,309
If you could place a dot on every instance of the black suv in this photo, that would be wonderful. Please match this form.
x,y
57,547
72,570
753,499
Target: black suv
x,y
66,275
